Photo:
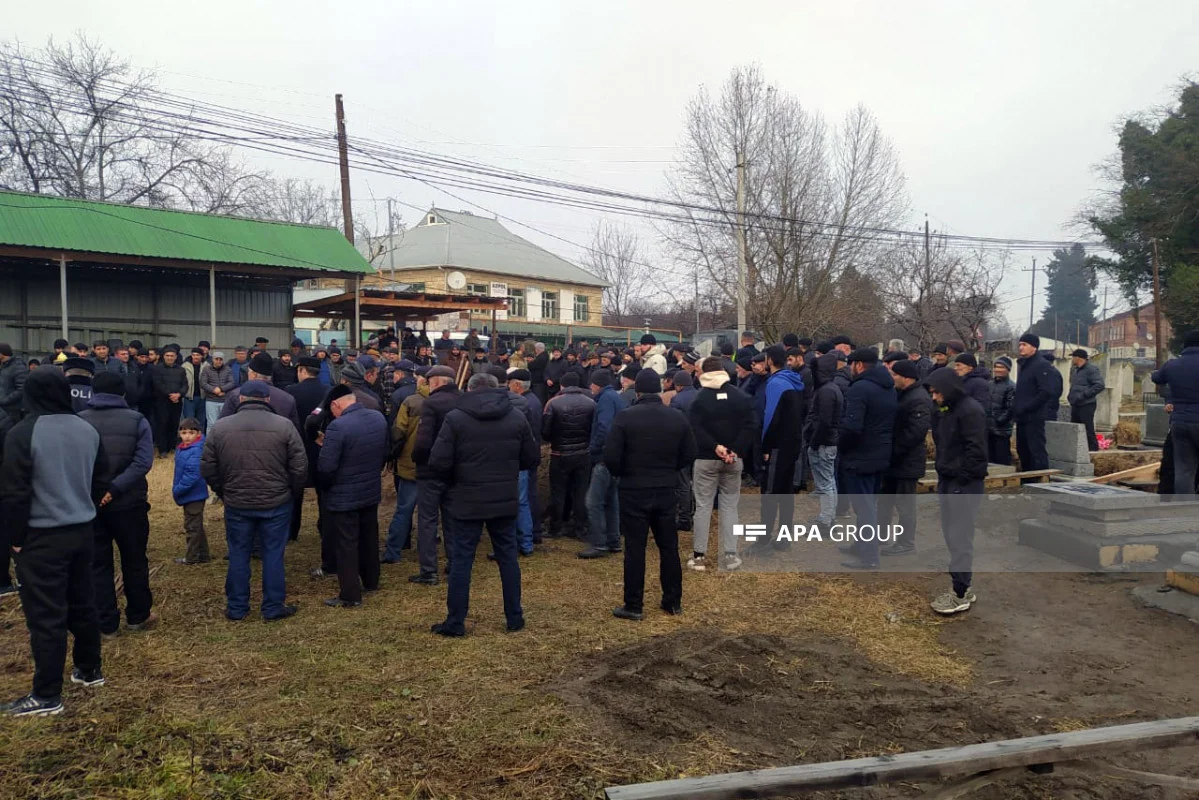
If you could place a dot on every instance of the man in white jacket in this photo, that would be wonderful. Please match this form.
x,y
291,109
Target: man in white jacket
x,y
653,355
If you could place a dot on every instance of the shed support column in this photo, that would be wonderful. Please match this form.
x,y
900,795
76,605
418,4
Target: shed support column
x,y
212,304
357,313
62,289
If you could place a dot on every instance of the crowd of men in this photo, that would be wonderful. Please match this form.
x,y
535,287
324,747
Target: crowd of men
x,y
641,440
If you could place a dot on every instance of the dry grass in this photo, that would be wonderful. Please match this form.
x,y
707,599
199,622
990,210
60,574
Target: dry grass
x,y
1128,433
366,703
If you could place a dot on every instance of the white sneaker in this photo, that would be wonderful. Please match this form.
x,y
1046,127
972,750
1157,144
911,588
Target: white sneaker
x,y
697,563
949,603
731,563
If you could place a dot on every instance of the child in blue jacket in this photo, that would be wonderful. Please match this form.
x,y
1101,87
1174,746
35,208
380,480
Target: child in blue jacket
x,y
191,492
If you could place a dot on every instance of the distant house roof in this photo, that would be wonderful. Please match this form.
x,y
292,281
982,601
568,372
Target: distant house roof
x,y
83,228
462,240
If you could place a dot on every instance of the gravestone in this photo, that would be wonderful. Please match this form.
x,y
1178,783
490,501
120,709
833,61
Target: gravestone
x,y
1107,409
1127,379
1066,446
1156,425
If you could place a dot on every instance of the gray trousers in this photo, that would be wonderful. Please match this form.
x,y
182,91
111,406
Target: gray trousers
x,y
430,508
710,476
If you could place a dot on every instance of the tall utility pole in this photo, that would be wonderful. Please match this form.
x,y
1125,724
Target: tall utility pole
x,y
927,252
741,249
343,157
1032,299
1157,308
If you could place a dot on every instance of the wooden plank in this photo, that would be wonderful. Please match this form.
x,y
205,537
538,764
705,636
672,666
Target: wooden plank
x,y
1144,471
1093,768
925,765
928,485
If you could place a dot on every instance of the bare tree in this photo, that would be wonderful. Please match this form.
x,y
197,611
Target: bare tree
x,y
616,257
946,294
78,121
812,197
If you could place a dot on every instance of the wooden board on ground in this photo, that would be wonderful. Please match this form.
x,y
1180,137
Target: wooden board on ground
x,y
950,762
1143,472
992,482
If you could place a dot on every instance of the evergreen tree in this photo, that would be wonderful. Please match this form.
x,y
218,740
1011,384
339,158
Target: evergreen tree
x,y
1071,303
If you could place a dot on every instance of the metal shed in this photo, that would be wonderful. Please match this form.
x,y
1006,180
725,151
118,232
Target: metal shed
x,y
83,271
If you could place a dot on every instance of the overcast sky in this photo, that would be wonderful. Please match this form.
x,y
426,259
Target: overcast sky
x,y
1000,110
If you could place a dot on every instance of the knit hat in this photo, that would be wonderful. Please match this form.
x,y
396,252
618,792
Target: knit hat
x,y
1005,361
262,363
201,343
776,353
905,368
109,383
791,340
746,363
600,378
631,372
255,389
570,379
1031,338
519,374
353,374
842,339
691,357
440,371
367,362
648,382
649,338
1080,353
941,348
297,342
967,359
683,380
6,349
866,355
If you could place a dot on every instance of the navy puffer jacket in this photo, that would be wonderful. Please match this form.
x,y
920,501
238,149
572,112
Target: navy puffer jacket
x,y
868,421
351,461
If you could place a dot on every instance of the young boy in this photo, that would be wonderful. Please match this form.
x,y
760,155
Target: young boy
x,y
191,492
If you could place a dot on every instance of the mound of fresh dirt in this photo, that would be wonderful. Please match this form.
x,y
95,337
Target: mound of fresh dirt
x,y
772,700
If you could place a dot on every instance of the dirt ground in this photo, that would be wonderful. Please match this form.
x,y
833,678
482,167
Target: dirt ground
x,y
761,670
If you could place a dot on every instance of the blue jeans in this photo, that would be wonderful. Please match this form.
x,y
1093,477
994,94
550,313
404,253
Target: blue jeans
x,y
212,412
194,407
401,522
242,526
862,488
464,541
524,517
603,509
823,461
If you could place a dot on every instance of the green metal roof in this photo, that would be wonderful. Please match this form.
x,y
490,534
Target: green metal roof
x,y
58,223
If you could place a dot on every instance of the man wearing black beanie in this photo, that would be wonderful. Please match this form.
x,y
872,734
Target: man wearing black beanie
x,y
1034,392
647,446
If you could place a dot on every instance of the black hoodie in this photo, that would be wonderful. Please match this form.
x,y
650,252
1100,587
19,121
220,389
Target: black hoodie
x,y
482,447
71,472
962,431
823,423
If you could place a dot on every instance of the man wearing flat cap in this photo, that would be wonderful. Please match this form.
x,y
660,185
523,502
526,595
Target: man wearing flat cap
x,y
1086,384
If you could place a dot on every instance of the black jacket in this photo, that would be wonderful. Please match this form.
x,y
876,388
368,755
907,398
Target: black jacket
x,y
309,395
12,382
913,415
868,422
566,422
822,425
483,446
129,444
555,368
440,402
723,415
537,368
1003,396
782,425
283,375
962,439
977,384
356,445
1086,384
648,444
168,380
1034,388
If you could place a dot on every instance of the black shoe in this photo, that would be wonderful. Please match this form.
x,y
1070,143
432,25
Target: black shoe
x,y
519,625
616,549
593,552
89,678
673,610
337,602
232,618
859,564
389,561
30,706
288,611
442,629
526,553
538,540
620,612
422,578
898,550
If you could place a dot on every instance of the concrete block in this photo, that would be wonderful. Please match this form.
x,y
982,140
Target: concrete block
x,y
1066,441
1138,553
1094,496
1128,553
1107,409
1109,528
1175,602
1074,468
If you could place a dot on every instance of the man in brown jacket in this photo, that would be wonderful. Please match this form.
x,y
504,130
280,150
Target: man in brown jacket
x,y
403,443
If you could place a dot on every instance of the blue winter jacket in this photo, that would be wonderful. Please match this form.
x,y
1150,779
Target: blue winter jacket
x,y
189,487
326,377
1182,376
683,398
867,422
350,466
607,403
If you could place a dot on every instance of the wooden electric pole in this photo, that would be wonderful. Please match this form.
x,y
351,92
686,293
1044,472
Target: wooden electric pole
x,y
1032,300
742,257
1157,309
347,214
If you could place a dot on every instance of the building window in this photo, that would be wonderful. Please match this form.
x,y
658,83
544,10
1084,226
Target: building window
x,y
480,289
582,312
516,303
416,287
549,305
432,220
